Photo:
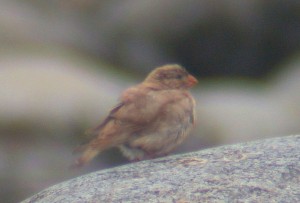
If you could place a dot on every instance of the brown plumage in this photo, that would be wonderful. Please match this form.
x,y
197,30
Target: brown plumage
x,y
151,119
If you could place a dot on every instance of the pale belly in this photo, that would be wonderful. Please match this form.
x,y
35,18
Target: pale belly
x,y
163,137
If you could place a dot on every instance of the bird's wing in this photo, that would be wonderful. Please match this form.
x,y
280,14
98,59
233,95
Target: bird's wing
x,y
136,109
95,131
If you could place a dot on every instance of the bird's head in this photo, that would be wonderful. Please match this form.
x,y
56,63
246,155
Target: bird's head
x,y
171,76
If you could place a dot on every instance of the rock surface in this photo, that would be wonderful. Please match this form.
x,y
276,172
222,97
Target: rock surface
x,y
260,171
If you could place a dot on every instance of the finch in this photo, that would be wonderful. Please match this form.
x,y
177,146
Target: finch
x,y
151,119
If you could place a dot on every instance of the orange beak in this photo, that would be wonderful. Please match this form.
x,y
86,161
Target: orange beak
x,y
191,81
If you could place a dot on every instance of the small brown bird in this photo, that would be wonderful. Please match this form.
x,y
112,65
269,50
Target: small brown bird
x,y
151,119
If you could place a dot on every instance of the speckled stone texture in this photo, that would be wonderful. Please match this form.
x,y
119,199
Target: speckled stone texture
x,y
260,171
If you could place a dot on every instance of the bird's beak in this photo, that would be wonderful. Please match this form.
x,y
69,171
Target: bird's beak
x,y
191,81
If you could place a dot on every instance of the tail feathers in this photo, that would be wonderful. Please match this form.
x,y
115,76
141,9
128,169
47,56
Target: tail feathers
x,y
86,157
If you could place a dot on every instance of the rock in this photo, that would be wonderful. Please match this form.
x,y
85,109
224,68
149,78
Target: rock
x,y
55,89
48,98
209,37
232,111
261,171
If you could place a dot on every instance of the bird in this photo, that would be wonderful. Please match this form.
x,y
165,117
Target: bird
x,y
150,120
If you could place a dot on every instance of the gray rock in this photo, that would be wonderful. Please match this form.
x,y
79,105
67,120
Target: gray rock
x,y
260,171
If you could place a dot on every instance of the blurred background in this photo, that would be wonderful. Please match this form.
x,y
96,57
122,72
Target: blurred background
x,y
63,64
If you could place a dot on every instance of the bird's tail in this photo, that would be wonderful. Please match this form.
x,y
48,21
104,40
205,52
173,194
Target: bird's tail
x,y
88,154
110,138
92,149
